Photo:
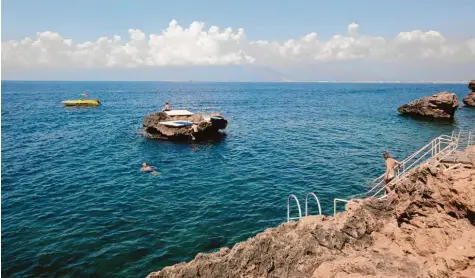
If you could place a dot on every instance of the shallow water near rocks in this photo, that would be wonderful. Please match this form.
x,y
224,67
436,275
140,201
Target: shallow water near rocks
x,y
74,202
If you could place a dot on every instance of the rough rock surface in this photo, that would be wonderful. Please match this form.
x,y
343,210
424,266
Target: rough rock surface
x,y
469,100
471,85
207,128
425,228
439,106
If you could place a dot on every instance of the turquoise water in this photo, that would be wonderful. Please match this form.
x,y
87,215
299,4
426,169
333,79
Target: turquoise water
x,y
74,202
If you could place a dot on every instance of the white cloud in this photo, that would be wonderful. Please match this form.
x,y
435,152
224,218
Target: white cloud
x,y
178,46
352,29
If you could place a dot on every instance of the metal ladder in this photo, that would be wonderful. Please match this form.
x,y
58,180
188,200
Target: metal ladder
x,y
292,196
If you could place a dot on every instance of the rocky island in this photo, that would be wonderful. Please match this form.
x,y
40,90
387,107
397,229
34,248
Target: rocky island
x,y
469,100
182,125
438,106
425,228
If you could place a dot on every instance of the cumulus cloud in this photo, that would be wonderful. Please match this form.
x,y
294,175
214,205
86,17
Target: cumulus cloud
x,y
352,29
196,45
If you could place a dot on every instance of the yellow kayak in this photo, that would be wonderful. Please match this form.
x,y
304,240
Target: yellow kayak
x,y
82,102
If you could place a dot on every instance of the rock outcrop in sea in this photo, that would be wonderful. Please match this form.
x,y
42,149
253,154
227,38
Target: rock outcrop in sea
x,y
209,127
438,106
469,100
425,228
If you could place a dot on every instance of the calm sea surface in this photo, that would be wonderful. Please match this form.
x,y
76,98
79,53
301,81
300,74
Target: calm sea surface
x,y
75,204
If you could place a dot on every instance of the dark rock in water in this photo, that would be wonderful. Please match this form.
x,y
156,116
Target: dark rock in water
x,y
469,100
439,106
208,127
471,85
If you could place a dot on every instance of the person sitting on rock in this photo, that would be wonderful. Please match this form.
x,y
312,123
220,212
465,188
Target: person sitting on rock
x,y
166,108
146,168
389,175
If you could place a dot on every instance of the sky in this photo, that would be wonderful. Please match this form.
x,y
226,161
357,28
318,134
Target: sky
x,y
343,40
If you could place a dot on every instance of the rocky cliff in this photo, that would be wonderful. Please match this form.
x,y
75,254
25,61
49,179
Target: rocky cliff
x,y
425,228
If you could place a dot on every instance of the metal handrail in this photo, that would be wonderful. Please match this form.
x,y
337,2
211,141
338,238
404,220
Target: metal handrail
x,y
452,144
402,162
435,151
434,147
334,204
318,203
288,208
398,177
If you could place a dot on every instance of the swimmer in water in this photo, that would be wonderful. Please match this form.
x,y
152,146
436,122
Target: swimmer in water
x,y
148,169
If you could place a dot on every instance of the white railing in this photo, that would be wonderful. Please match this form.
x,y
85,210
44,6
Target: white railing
x,y
338,200
316,199
434,152
437,149
465,139
292,196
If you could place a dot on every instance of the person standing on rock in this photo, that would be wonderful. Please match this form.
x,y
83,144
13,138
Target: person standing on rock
x,y
389,175
194,129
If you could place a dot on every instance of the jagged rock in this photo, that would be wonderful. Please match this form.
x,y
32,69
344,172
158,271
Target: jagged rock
x,y
439,106
425,228
471,85
469,100
208,127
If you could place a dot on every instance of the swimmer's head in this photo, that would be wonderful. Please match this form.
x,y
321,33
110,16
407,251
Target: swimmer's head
x,y
386,155
144,164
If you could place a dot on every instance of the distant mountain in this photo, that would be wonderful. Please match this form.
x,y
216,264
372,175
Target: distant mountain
x,y
267,74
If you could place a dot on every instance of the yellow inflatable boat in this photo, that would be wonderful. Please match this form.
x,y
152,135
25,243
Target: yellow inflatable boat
x,y
82,102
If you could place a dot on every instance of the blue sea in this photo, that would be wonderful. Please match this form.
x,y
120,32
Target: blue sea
x,y
74,203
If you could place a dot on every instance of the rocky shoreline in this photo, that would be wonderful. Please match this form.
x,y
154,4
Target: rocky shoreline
x,y
425,228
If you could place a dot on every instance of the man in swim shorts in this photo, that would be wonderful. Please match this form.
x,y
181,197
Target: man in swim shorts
x,y
389,175
194,129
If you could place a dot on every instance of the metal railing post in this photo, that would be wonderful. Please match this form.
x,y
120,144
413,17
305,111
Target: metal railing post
x,y
316,199
288,207
334,204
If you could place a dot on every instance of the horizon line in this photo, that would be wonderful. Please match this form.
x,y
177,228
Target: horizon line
x,y
244,81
